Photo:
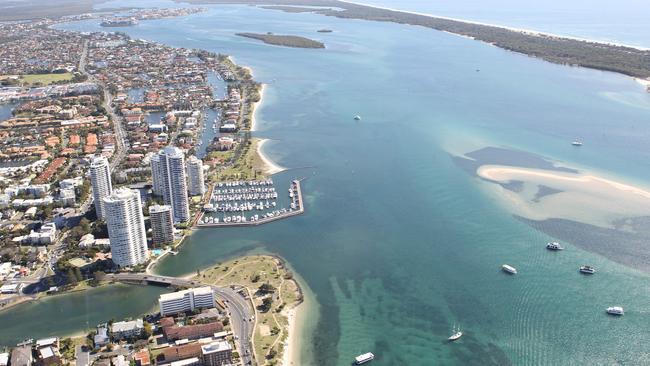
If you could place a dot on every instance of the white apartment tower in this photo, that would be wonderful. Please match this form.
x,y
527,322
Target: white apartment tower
x,y
171,175
156,175
187,300
196,181
100,178
162,224
126,231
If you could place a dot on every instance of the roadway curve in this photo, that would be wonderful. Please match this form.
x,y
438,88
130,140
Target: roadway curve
x,y
241,314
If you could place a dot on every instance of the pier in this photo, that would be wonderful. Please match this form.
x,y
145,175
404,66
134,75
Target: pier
x,y
297,208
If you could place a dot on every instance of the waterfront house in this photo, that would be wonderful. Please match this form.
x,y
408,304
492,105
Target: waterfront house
x,y
127,329
22,356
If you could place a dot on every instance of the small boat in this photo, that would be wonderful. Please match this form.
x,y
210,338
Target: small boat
x,y
357,118
509,269
554,246
615,310
587,269
576,143
456,336
366,357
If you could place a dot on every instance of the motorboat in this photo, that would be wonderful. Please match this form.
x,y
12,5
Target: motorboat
x,y
554,246
615,310
357,118
587,270
509,269
364,358
576,143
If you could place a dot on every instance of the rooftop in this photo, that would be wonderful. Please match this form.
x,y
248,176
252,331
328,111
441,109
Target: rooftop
x,y
219,346
180,294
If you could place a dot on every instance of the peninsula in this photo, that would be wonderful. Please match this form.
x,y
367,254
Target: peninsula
x,y
284,40
604,56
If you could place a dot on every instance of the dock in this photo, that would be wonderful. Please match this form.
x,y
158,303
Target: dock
x,y
299,209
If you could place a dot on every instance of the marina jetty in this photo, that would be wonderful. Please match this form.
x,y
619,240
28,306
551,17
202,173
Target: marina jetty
x,y
241,197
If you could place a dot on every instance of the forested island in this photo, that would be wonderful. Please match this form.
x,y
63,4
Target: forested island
x,y
596,55
284,40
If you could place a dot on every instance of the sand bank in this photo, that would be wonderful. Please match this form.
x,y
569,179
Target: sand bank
x,y
579,197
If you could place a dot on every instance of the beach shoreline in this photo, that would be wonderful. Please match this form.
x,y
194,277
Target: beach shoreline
x,y
256,106
270,167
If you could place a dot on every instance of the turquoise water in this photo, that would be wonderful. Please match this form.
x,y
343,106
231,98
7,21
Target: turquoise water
x,y
398,243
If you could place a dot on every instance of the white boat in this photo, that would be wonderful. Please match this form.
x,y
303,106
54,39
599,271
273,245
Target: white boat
x,y
587,269
615,310
366,357
456,336
357,118
554,246
576,143
509,269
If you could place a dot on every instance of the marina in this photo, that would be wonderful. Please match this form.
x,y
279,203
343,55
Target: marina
x,y
246,203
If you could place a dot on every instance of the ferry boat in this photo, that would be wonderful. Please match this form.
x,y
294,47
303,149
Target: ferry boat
x,y
357,118
587,269
615,310
576,143
456,335
554,246
509,269
366,357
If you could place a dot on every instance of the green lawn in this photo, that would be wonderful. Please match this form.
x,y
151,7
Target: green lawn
x,y
45,79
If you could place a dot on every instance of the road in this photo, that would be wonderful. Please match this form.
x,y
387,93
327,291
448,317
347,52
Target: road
x,y
120,135
241,314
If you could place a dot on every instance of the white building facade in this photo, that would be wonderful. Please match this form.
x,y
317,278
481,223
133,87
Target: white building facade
x,y
187,300
196,180
171,173
100,178
126,229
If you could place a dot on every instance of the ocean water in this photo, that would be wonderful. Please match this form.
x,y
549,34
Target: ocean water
x,y
399,243
611,21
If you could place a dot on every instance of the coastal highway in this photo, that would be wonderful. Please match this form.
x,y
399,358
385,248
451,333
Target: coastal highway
x,y
241,314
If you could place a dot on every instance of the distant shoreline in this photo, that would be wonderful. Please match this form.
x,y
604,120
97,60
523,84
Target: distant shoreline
x,y
564,50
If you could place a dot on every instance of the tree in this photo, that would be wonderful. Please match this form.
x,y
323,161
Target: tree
x,y
266,288
77,274
256,277
72,279
266,304
148,331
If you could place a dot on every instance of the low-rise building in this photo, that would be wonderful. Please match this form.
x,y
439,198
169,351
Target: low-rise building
x,y
175,353
22,356
197,331
217,353
127,329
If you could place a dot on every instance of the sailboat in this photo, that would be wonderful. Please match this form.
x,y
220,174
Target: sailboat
x,y
456,336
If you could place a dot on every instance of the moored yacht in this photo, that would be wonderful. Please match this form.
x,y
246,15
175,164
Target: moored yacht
x,y
366,357
554,246
576,143
357,117
587,269
457,334
509,269
615,310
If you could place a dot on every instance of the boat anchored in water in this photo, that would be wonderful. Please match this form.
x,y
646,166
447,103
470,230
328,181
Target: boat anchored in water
x,y
357,118
366,357
456,336
577,143
509,269
615,310
587,269
554,246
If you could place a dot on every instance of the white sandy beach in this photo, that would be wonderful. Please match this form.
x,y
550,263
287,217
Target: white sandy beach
x,y
578,197
270,167
256,107
291,355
